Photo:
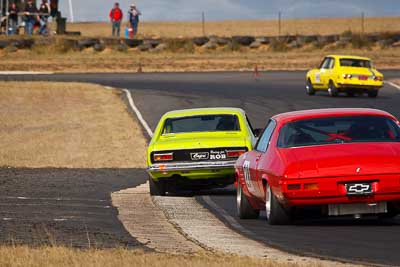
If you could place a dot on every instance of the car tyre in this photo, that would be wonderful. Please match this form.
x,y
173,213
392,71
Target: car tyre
x,y
157,188
244,209
373,93
275,212
310,88
332,90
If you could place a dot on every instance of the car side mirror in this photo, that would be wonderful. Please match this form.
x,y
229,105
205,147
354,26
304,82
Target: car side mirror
x,y
257,132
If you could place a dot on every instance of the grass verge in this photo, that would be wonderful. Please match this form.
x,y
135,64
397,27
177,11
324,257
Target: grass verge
x,y
60,256
173,29
201,60
68,125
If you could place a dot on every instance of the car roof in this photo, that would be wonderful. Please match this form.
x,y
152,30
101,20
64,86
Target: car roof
x,y
348,56
330,112
204,111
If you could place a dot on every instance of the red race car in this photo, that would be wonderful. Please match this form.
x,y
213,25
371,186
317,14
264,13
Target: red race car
x,y
339,161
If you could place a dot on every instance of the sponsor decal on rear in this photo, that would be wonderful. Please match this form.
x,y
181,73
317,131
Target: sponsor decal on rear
x,y
217,155
200,156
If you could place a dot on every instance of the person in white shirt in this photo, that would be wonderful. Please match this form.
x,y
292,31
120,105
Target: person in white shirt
x,y
133,16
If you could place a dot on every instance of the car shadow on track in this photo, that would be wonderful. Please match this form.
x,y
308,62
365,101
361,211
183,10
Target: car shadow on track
x,y
340,221
225,191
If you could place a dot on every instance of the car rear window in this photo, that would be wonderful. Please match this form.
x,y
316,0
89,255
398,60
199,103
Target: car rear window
x,y
339,130
358,63
203,123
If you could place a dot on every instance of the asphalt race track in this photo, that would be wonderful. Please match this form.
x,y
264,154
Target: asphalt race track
x,y
70,207
365,240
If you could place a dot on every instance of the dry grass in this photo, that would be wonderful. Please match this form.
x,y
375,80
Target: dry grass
x,y
201,60
67,125
253,27
57,256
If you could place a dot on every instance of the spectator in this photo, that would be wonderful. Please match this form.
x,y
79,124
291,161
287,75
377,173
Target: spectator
x,y
13,19
31,16
134,14
116,16
44,11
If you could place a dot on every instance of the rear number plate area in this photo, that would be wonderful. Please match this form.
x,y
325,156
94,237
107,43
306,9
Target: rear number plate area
x,y
362,78
359,189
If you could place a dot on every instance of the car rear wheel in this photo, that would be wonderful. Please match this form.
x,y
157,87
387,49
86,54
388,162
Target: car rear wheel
x,y
157,188
310,88
373,93
276,214
244,210
332,90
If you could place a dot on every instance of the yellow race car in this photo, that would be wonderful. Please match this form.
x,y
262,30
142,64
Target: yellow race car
x,y
349,74
196,148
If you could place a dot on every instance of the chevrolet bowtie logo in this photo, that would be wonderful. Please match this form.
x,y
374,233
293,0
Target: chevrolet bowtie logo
x,y
359,189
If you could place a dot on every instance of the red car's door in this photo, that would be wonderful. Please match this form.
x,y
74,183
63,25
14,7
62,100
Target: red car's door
x,y
249,169
254,158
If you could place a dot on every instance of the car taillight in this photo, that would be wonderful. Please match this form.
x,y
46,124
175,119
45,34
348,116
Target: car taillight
x,y
294,186
377,78
163,156
235,153
347,76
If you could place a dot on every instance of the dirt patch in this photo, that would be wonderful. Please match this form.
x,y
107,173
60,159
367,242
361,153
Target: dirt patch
x,y
69,125
396,81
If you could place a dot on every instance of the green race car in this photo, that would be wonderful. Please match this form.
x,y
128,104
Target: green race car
x,y
197,147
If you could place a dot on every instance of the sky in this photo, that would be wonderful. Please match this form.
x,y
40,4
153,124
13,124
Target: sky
x,y
173,10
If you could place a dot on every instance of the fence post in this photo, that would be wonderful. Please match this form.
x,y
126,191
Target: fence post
x,y
1,11
279,23
71,11
7,17
203,23
362,22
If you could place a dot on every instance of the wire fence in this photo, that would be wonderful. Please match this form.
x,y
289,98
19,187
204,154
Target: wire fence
x,y
280,25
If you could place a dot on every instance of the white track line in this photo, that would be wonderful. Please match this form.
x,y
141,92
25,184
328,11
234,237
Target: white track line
x,y
394,85
138,114
25,73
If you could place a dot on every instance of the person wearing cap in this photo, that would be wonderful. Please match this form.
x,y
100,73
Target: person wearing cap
x,y
116,16
133,16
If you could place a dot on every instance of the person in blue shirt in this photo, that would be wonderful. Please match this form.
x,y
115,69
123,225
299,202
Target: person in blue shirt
x,y
31,16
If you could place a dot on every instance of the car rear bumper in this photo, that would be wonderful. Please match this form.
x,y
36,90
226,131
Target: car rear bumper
x,y
360,86
193,170
167,167
386,188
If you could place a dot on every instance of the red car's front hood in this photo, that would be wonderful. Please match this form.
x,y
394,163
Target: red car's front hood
x,y
341,160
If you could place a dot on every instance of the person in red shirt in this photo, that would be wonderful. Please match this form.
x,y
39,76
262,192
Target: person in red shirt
x,y
116,16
